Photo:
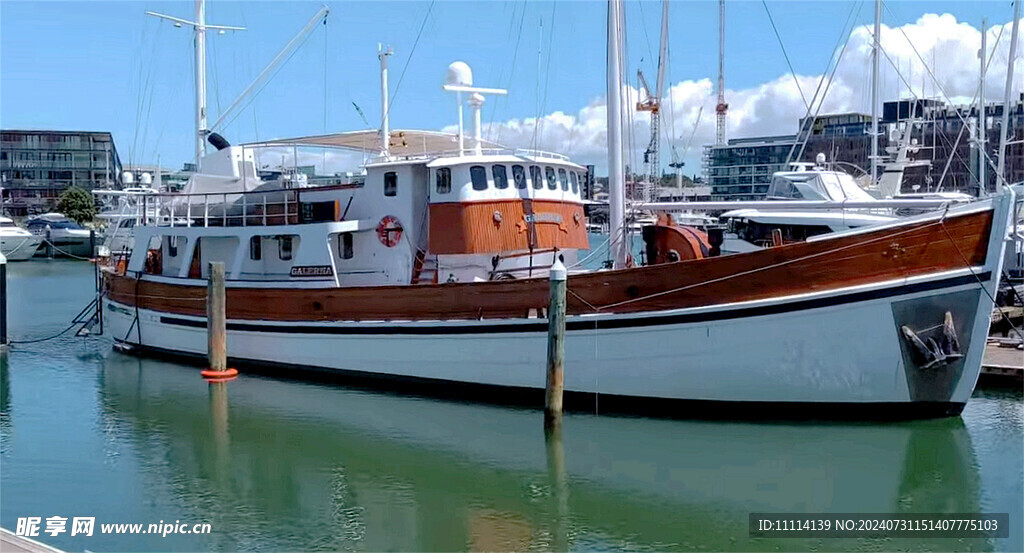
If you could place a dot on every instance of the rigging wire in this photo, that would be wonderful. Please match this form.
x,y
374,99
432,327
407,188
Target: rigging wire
x,y
216,79
391,101
538,127
266,82
785,54
140,97
845,32
935,80
511,73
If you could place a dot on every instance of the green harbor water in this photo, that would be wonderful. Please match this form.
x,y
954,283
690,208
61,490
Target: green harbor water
x,y
275,465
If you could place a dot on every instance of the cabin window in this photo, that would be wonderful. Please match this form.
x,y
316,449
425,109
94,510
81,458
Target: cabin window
x,y
500,177
444,180
575,182
519,176
550,174
284,248
478,175
345,245
563,180
390,183
172,246
538,183
255,248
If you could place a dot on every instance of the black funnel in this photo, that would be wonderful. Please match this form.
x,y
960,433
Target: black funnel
x,y
218,141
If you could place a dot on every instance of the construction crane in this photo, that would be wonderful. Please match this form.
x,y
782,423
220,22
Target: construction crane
x,y
721,108
652,103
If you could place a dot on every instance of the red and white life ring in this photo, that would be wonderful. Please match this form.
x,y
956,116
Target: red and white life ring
x,y
389,231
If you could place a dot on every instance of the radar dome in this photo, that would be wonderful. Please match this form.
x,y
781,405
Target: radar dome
x,y
128,177
146,179
459,74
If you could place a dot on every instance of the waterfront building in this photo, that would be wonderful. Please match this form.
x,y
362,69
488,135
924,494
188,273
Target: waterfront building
x,y
946,137
742,169
37,166
942,133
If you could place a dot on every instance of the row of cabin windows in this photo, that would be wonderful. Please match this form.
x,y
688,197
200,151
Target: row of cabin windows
x,y
478,176
284,247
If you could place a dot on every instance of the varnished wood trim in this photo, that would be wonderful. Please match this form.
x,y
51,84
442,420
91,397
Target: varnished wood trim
x,y
862,259
506,225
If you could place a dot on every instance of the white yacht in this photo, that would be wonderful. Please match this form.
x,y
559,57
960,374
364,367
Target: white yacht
x,y
760,226
16,243
62,236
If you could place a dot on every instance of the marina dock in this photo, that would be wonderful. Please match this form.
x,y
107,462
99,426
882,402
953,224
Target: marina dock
x,y
10,543
1003,364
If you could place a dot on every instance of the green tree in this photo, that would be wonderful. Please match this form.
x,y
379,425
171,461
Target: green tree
x,y
77,204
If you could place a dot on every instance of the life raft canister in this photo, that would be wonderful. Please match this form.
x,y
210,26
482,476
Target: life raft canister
x,y
389,231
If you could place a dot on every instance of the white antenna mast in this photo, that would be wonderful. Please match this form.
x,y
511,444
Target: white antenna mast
x,y
459,79
385,131
874,92
1001,177
982,131
200,27
616,186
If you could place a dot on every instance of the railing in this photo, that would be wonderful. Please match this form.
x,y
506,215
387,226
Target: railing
x,y
521,152
221,209
540,154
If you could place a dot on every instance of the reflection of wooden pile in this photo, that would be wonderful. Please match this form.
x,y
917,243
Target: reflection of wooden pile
x,y
492,530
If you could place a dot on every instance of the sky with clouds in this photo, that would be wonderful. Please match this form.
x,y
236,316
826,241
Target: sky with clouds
x,y
107,66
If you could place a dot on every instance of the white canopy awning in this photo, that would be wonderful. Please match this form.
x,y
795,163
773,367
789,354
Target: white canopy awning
x,y
402,143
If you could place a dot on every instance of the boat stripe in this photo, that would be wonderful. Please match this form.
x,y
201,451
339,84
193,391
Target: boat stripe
x,y
577,324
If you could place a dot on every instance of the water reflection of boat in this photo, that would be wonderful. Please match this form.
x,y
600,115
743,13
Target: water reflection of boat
x,y
354,469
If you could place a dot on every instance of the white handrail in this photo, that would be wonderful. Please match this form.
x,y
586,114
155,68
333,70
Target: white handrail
x,y
801,205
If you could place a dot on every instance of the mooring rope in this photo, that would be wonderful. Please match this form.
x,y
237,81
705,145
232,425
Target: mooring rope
x,y
36,341
69,254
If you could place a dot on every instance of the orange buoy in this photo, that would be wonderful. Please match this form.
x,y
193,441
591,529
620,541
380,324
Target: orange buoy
x,y
218,376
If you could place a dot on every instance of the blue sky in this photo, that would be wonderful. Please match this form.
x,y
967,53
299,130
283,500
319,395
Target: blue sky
x,y
107,66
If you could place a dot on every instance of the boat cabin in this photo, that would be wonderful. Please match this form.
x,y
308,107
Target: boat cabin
x,y
416,218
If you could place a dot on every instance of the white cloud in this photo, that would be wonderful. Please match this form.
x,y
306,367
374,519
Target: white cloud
x,y
948,47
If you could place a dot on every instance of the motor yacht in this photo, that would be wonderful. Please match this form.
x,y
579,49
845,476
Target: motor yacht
x,y
61,236
16,243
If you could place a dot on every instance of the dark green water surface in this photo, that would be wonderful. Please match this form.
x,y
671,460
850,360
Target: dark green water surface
x,y
280,465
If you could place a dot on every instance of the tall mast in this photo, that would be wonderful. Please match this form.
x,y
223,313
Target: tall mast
x,y
721,108
616,186
982,131
1001,177
874,91
200,65
200,27
385,131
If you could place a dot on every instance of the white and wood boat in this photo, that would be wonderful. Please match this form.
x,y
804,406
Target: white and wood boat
x,y
431,273
826,324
